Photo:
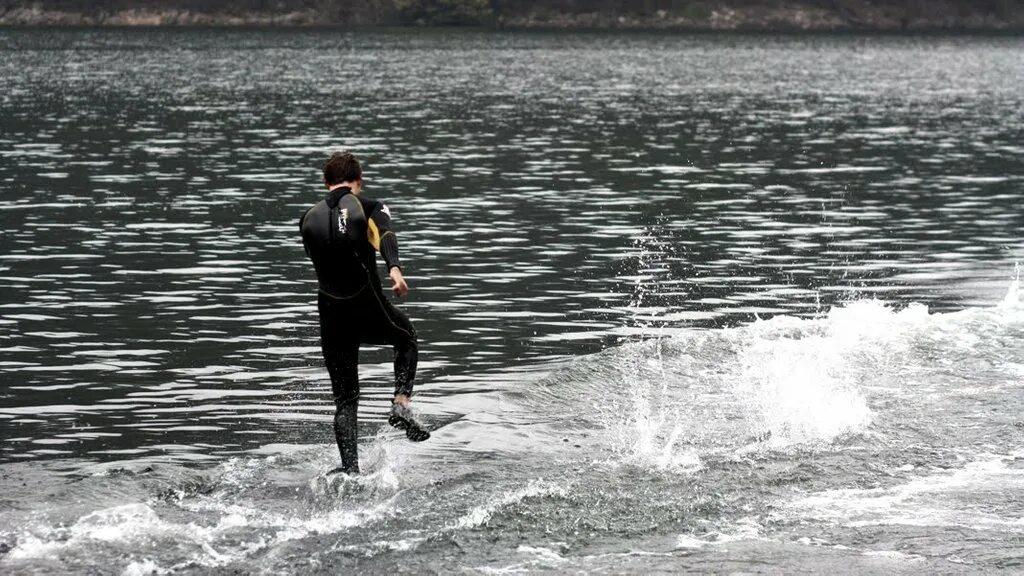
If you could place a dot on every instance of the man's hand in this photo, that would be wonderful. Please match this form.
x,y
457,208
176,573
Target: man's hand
x,y
400,288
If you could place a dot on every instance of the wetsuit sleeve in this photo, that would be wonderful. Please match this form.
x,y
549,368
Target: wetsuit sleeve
x,y
382,235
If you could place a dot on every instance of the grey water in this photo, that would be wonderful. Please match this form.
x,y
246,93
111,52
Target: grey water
x,y
686,303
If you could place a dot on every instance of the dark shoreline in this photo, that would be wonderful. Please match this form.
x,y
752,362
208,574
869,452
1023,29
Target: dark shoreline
x,y
250,27
255,26
746,16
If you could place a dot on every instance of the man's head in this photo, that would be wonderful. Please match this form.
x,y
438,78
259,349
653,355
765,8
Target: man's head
x,y
343,168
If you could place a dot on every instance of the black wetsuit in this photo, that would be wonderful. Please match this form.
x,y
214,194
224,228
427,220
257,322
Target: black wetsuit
x,y
341,234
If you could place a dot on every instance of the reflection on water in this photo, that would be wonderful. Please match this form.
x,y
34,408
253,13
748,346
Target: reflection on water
x,y
555,195
552,192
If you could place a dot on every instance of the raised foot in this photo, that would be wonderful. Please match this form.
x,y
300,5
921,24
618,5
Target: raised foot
x,y
403,419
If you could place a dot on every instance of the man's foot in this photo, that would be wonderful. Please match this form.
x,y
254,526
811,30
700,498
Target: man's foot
x,y
348,470
403,419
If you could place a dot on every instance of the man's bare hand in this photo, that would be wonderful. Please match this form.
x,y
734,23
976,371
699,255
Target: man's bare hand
x,y
400,288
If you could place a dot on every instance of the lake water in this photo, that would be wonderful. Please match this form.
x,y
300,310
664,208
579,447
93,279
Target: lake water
x,y
686,303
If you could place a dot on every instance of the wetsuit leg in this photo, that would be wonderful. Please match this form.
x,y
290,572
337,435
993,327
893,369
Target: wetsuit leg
x,y
341,355
389,325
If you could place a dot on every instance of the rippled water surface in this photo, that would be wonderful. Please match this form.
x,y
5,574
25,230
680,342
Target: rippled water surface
x,y
685,303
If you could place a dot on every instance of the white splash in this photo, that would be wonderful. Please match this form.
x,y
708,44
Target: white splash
x,y
649,424
798,378
1012,298
214,542
115,525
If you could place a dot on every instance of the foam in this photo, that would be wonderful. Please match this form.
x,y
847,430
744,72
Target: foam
x,y
234,507
145,567
115,525
480,515
894,555
380,546
961,498
745,529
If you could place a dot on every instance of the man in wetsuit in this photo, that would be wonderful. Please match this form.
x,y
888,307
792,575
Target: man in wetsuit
x,y
341,234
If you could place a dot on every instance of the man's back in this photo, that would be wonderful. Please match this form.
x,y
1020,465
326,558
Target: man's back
x,y
335,236
341,234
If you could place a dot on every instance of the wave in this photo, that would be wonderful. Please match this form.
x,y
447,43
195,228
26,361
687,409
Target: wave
x,y
785,383
694,432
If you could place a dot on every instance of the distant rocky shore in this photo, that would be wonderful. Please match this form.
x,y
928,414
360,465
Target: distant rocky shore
x,y
754,15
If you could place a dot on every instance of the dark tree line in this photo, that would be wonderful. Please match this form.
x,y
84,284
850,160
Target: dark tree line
x,y
565,12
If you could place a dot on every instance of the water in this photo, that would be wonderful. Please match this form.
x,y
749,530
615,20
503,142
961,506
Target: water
x,y
686,303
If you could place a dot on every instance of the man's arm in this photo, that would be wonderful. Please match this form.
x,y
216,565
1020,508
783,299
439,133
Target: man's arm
x,y
383,238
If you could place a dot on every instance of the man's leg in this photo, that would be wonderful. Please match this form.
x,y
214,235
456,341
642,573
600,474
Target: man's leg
x,y
407,353
394,328
341,354
346,402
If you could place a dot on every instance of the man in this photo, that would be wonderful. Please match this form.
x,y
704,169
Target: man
x,y
340,234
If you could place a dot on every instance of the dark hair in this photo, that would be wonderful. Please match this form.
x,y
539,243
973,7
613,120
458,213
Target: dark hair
x,y
342,167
